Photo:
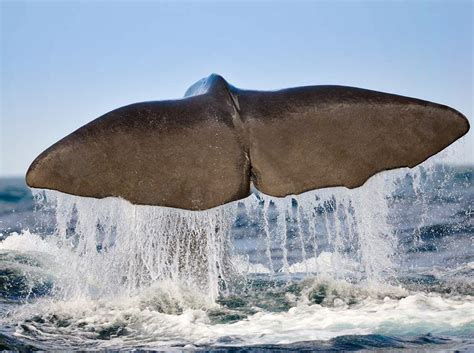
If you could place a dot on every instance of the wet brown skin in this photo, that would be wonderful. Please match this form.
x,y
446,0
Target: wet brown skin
x,y
204,150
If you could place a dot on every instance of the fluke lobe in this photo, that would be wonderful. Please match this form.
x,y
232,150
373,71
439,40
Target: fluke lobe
x,y
204,150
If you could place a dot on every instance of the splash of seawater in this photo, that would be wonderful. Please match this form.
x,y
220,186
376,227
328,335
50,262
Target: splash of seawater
x,y
109,246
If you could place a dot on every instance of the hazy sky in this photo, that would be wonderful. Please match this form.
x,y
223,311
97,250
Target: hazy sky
x,y
65,63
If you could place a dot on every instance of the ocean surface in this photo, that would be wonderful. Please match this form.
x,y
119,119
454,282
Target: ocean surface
x,y
389,265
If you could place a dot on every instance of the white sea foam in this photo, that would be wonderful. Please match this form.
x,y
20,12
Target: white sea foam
x,y
85,319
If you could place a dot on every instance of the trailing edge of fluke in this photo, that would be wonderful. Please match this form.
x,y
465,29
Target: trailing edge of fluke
x,y
204,150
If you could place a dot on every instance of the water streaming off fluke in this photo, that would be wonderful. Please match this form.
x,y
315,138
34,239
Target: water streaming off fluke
x,y
116,247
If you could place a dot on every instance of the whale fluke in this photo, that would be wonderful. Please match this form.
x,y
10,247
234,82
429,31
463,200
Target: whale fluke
x,y
204,150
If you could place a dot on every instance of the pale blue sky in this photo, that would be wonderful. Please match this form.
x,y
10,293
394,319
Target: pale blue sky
x,y
66,63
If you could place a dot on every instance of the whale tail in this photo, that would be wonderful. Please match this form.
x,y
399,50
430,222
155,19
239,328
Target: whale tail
x,y
204,150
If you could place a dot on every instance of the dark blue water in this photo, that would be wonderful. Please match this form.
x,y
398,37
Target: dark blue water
x,y
384,268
